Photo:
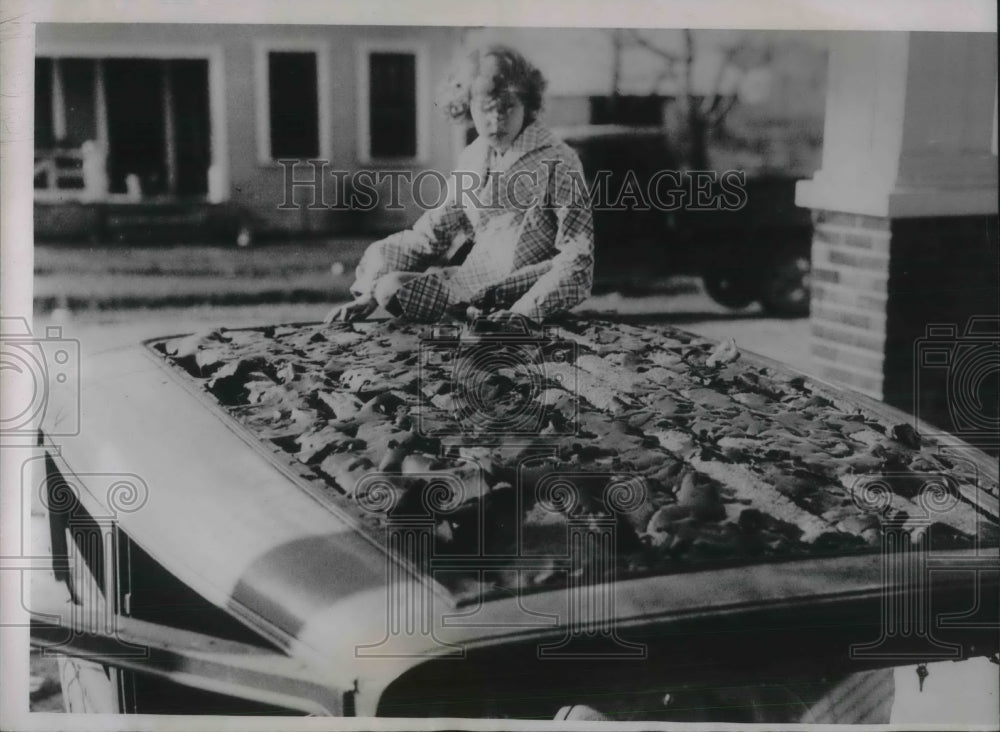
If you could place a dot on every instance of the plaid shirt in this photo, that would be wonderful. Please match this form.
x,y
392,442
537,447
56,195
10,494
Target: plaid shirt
x,y
531,225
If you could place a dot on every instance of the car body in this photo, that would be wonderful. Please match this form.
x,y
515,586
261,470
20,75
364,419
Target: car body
x,y
741,232
210,571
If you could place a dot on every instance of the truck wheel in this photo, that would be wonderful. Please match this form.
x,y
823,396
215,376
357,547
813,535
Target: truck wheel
x,y
730,287
784,285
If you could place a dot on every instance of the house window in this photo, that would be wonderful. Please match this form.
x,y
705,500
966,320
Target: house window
x,y
393,103
293,99
392,95
291,104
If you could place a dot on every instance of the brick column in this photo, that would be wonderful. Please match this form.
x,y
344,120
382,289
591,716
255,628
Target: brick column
x,y
850,286
905,209
879,283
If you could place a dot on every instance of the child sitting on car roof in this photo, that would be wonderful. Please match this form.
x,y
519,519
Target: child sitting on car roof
x,y
517,193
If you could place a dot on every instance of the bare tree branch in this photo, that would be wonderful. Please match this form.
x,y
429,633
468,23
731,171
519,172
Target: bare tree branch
x,y
665,73
702,113
689,67
720,114
670,60
617,43
645,43
711,101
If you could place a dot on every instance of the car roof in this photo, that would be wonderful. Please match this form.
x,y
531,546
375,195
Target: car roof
x,y
741,461
582,133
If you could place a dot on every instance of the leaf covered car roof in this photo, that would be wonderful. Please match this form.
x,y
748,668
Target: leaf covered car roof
x,y
503,445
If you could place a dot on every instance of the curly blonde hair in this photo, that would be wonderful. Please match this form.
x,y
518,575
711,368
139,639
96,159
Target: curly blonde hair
x,y
514,73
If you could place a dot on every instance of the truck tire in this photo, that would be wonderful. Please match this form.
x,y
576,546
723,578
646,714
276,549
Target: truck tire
x,y
784,283
729,286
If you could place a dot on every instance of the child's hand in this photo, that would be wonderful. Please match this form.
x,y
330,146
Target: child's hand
x,y
357,309
506,316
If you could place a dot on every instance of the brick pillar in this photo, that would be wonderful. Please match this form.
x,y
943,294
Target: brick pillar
x,y
905,206
850,291
880,283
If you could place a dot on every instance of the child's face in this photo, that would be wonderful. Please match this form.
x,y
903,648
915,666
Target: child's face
x,y
498,117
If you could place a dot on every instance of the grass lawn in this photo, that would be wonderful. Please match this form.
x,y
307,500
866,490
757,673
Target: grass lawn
x,y
107,277
114,276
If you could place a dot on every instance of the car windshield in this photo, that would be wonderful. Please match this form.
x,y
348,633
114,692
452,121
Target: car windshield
x,y
527,459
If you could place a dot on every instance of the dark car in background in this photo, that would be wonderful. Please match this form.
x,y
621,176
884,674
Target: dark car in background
x,y
742,233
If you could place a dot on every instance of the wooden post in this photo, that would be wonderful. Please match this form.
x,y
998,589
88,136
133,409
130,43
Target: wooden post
x,y
170,132
101,104
58,103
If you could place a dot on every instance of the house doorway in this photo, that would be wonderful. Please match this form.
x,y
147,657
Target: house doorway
x,y
158,125
149,117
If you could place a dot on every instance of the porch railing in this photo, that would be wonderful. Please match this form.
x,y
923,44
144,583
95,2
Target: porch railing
x,y
76,173
59,169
